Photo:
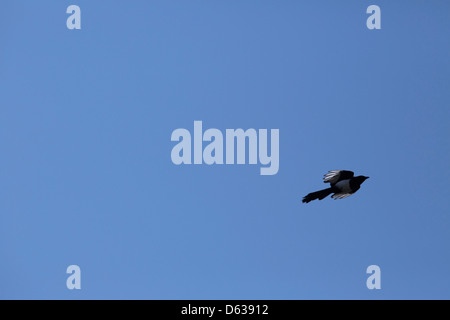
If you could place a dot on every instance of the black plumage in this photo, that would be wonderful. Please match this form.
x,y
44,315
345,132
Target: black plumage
x,y
343,183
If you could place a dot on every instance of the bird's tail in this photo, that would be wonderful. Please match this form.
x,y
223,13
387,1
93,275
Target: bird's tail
x,y
317,195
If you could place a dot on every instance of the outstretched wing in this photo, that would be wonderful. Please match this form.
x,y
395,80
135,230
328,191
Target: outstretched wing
x,y
340,195
334,176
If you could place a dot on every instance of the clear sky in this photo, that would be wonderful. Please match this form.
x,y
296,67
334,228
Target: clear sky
x,y
86,176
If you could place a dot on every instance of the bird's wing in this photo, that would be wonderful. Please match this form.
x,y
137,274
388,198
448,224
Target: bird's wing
x,y
340,195
334,176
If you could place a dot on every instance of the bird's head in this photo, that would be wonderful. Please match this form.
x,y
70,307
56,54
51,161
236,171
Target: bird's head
x,y
361,179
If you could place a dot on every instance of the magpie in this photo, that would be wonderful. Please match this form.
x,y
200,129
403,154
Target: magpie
x,y
342,184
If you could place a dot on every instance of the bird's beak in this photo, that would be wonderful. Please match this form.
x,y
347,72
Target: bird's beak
x,y
367,177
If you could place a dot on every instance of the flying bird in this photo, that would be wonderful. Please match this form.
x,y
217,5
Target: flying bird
x,y
342,184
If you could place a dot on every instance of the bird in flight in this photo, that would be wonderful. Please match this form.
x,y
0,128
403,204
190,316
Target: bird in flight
x,y
342,184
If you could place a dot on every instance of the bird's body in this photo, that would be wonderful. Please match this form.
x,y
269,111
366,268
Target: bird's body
x,y
342,184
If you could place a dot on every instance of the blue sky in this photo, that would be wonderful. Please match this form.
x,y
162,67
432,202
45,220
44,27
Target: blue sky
x,y
86,176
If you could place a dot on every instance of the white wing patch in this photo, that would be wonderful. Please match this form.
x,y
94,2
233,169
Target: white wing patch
x,y
332,176
340,195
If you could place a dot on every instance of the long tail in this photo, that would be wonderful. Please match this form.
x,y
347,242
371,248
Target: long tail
x,y
317,195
